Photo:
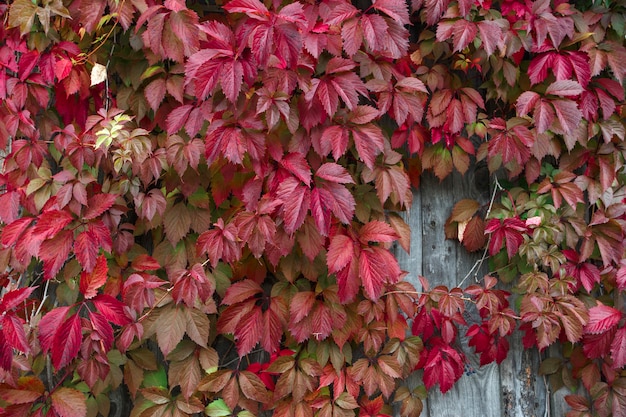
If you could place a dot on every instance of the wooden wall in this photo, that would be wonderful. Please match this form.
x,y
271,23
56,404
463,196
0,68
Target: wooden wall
x,y
511,389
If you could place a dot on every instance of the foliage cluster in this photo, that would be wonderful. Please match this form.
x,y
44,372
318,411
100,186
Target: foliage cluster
x,y
200,203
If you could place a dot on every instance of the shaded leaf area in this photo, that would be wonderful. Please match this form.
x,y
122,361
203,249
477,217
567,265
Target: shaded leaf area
x,y
202,206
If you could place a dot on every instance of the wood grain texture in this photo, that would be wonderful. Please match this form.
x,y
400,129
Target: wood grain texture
x,y
512,389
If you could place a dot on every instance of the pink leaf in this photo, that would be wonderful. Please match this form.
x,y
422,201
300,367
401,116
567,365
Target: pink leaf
x,y
602,318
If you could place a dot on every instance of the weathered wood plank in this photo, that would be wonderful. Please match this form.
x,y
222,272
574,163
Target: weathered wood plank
x,y
523,390
444,262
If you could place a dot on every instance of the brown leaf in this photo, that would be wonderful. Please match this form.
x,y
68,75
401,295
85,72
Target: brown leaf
x,y
68,402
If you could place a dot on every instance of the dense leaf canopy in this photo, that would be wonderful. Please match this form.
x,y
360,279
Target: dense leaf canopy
x,y
200,201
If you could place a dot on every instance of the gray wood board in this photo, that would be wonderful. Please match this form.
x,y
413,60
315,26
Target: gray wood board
x,y
511,389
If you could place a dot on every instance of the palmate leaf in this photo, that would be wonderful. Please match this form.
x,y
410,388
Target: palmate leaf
x,y
13,329
97,277
602,318
508,232
69,402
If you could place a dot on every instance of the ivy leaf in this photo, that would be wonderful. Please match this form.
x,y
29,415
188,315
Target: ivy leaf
x,y
296,201
51,222
444,366
377,231
340,252
170,328
253,388
111,308
377,267
13,329
618,349
66,342
98,204
69,402
396,9
564,88
49,325
509,231
176,222
22,13
13,298
602,318
91,281
12,232
54,252
221,243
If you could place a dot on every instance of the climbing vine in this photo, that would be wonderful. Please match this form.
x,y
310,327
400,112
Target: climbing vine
x,y
199,201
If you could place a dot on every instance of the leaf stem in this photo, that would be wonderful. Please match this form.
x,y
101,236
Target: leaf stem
x,y
479,263
147,313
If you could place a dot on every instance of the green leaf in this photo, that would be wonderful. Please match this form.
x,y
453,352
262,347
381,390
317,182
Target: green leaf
x,y
156,378
217,408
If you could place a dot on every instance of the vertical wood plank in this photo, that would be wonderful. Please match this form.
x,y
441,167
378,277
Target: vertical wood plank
x,y
412,263
444,262
523,390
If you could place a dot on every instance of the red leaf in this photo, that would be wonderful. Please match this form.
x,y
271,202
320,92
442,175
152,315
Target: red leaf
x,y
54,252
98,204
13,328
12,232
253,8
298,166
177,118
9,205
51,222
463,32
444,366
86,250
66,342
396,9
13,298
568,114
377,267
69,402
249,331
241,291
49,325
112,309
618,349
221,243
336,198
564,88
155,93
602,319
377,231
369,142
145,263
296,200
91,281
340,252
510,232
490,35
